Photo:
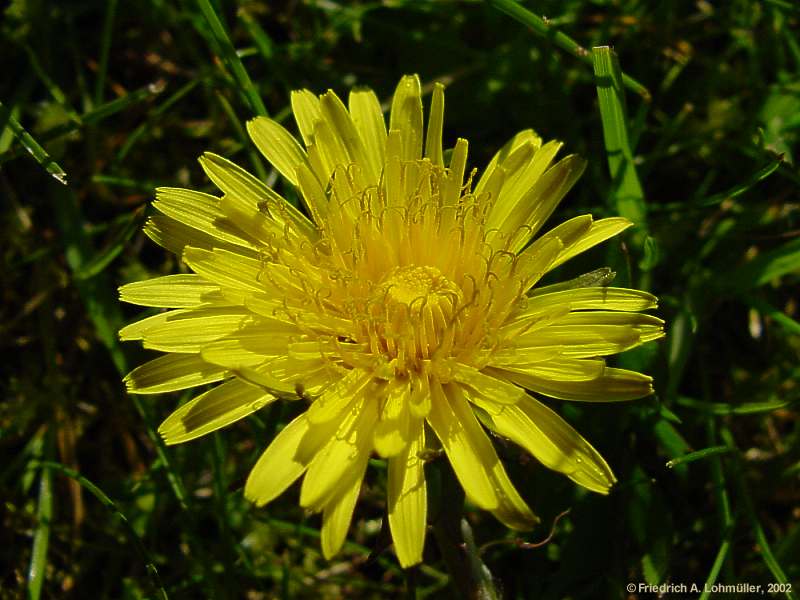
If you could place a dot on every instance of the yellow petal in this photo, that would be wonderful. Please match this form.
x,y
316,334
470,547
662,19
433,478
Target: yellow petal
x,y
190,330
250,204
648,326
338,513
278,467
252,344
406,116
577,341
469,450
365,110
171,291
527,137
313,193
563,369
338,396
408,499
599,232
331,151
351,444
539,202
433,140
135,331
221,406
172,372
511,510
226,269
392,430
305,107
278,146
498,390
342,124
615,385
202,212
591,298
515,196
175,236
554,443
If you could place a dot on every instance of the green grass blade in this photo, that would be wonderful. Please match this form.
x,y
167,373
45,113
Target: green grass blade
x,y
719,560
720,408
104,312
153,117
32,146
698,455
41,536
765,267
627,191
745,185
260,38
758,531
110,505
542,28
232,59
52,87
91,117
117,244
105,46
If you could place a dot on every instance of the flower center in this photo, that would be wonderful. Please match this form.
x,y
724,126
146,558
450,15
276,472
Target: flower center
x,y
413,314
407,285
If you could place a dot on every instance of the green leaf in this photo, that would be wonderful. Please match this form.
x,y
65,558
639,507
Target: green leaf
x,y
627,191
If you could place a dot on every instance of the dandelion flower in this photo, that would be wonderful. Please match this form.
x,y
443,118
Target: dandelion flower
x,y
399,308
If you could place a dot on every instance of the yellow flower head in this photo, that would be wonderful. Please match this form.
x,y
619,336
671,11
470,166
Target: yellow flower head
x,y
402,314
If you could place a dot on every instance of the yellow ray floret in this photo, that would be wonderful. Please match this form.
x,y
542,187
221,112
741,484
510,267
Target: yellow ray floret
x,y
400,310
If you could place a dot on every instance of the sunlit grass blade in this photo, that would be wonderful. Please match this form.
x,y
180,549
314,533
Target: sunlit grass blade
x,y
32,146
626,188
93,489
232,59
541,27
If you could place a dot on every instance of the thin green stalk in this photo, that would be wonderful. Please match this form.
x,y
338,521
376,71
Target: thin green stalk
x,y
542,28
39,154
232,59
